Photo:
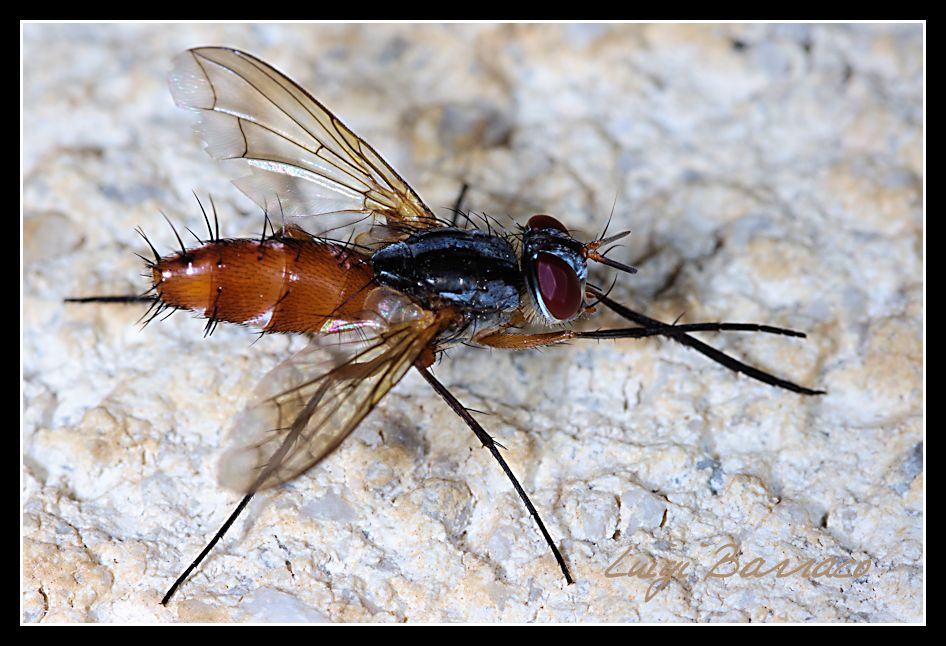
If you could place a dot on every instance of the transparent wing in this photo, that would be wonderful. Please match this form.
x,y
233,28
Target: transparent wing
x,y
303,158
308,404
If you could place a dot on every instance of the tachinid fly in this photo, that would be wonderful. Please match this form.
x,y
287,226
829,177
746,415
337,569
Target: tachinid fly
x,y
404,286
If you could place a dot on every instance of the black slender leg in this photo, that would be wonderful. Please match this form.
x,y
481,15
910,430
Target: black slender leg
x,y
133,298
156,306
458,205
206,550
708,350
681,329
490,444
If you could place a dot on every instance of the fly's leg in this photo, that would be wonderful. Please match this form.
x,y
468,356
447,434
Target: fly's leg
x,y
490,444
206,550
156,306
679,335
501,339
510,341
458,205
130,298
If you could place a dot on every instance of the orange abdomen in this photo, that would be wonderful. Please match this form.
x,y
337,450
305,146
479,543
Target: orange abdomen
x,y
283,284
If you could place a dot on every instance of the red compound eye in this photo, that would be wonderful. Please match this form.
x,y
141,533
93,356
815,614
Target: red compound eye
x,y
545,222
559,286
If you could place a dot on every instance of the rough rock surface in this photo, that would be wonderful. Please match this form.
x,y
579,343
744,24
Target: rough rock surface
x,y
768,173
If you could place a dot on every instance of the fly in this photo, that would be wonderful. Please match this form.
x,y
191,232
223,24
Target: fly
x,y
405,286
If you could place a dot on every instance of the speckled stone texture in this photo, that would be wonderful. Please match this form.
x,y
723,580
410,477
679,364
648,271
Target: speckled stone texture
x,y
768,173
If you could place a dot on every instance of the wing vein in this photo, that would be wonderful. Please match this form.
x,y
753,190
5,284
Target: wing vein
x,y
278,81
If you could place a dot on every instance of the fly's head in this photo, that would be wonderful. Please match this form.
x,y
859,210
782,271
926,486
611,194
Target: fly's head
x,y
555,267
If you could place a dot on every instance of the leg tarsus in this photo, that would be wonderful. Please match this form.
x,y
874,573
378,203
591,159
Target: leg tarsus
x,y
458,205
131,298
488,442
200,557
711,352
